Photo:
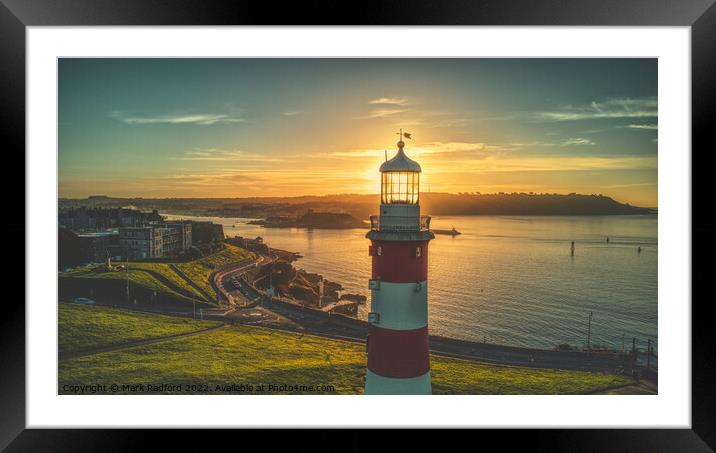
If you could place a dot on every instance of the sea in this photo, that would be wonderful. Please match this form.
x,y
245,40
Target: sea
x,y
509,280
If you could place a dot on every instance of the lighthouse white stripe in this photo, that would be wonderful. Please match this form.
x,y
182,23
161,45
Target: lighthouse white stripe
x,y
400,306
380,385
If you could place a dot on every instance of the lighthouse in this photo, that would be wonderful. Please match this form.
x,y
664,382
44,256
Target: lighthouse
x,y
398,357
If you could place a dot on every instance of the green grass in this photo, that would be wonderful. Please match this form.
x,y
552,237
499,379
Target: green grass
x,y
199,270
82,326
255,355
136,278
472,378
168,273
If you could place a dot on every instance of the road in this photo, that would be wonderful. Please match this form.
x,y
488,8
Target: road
x,y
340,327
287,316
247,306
222,280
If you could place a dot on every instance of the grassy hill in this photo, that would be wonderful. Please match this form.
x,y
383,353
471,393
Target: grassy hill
x,y
255,355
83,327
145,278
199,270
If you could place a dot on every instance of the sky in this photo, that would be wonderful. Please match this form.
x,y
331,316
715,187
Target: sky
x,y
158,128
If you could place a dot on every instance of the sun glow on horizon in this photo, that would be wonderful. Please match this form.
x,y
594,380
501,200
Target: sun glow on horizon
x,y
478,125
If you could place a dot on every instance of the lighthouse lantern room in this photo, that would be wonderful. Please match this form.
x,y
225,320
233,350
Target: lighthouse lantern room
x,y
398,359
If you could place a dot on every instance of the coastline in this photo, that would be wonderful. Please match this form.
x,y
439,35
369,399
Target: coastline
x,y
180,213
504,241
339,325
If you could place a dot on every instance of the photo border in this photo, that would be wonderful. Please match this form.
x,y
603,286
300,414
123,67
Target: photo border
x,y
16,15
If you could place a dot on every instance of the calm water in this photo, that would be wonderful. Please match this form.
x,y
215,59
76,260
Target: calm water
x,y
510,279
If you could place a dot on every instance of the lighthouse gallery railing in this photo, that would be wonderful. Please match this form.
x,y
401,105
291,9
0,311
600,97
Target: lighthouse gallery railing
x,y
422,225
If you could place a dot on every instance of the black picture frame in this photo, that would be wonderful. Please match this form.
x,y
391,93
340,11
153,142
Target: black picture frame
x,y
700,15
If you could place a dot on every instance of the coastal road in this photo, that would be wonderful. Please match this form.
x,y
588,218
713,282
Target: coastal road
x,y
248,307
222,280
342,327
292,317
245,302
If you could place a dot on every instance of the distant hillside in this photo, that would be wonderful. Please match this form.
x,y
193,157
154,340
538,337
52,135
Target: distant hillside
x,y
312,219
527,204
361,206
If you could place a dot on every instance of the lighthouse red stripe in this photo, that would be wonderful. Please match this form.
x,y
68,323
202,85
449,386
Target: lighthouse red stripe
x,y
398,353
398,261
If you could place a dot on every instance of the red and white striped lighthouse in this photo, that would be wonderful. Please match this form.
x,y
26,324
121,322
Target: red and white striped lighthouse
x,y
398,359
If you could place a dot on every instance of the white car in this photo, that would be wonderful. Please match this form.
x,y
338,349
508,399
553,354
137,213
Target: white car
x,y
84,301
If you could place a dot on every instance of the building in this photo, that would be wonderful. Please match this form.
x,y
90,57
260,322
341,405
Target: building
x,y
155,241
176,237
185,232
255,245
92,234
206,232
141,242
95,247
171,240
84,218
398,358
80,248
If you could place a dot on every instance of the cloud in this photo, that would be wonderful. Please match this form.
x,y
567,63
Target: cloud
x,y
381,113
471,149
611,108
459,147
474,150
502,117
577,141
450,122
389,101
507,163
641,126
292,112
622,186
573,141
214,154
204,119
264,182
453,158
387,107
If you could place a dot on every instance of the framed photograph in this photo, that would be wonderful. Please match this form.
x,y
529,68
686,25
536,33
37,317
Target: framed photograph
x,y
455,216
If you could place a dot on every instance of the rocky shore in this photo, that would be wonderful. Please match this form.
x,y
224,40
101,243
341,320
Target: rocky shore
x,y
306,288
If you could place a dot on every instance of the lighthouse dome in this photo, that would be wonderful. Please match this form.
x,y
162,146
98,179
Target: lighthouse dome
x,y
400,162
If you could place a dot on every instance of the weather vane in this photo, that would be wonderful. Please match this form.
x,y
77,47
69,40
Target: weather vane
x,y
404,134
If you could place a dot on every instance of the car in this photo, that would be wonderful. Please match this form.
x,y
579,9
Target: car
x,y
84,301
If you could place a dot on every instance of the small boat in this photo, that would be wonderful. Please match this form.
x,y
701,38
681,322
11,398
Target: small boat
x,y
452,232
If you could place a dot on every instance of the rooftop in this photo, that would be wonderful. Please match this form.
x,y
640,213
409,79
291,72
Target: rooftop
x,y
97,234
400,162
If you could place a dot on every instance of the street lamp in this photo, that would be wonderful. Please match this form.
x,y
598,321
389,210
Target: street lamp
x,y
589,334
126,274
